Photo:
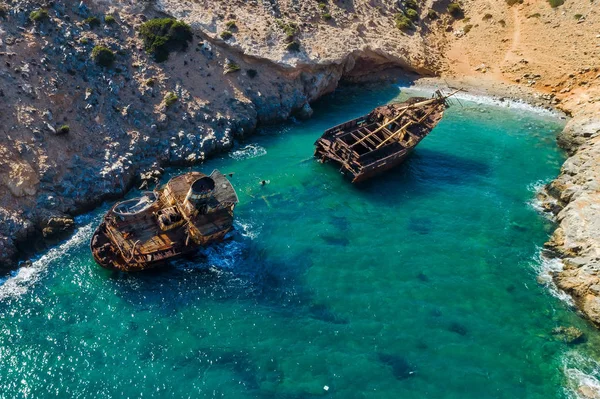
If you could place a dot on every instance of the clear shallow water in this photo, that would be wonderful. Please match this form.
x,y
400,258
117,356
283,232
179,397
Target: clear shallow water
x,y
420,284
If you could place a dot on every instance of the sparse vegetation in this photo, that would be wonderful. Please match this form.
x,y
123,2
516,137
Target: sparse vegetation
x,y
226,35
293,46
403,22
231,67
431,14
162,35
109,19
467,28
326,16
150,82
487,17
64,129
556,3
411,14
170,98
578,16
411,4
92,22
231,25
536,15
455,10
103,56
38,15
251,73
84,40
513,2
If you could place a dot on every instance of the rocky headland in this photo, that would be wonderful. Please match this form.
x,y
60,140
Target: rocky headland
x,y
76,132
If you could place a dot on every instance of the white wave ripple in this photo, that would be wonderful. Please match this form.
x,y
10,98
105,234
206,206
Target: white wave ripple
x,y
583,376
545,267
484,100
247,152
537,188
23,278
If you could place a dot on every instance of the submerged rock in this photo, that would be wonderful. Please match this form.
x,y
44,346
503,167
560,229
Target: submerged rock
x,y
570,335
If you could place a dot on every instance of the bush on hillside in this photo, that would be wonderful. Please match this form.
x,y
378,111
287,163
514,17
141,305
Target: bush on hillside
x,y
556,3
226,35
403,22
163,35
455,10
103,56
513,2
38,15
109,19
411,14
92,22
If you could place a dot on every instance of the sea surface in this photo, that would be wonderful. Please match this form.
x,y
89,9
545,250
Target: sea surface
x,y
422,283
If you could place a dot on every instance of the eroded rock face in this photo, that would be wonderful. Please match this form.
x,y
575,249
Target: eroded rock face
x,y
577,199
118,125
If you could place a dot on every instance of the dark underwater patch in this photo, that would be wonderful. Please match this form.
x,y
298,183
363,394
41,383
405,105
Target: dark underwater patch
x,y
458,328
334,240
420,225
401,368
422,277
323,313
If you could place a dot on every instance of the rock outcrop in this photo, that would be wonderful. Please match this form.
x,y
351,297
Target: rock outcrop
x,y
576,195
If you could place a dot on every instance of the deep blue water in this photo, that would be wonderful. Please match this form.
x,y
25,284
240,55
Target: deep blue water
x,y
418,284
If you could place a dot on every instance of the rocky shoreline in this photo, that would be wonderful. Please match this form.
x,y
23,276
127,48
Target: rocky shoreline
x,y
574,200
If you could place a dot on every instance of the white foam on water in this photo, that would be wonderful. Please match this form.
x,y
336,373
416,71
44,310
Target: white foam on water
x,y
582,376
223,255
24,277
545,267
537,188
247,229
483,100
247,152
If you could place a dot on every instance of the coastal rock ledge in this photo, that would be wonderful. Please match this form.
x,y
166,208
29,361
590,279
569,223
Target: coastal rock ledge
x,y
577,193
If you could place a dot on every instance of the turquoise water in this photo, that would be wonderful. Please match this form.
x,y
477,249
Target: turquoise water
x,y
419,284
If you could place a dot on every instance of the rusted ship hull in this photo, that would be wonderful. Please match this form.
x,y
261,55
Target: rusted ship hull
x,y
191,211
381,140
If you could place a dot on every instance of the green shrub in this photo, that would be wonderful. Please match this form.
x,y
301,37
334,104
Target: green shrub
x,y
231,25
231,67
431,14
467,28
556,3
64,129
322,6
84,40
513,2
293,46
411,14
103,56
403,22
109,19
326,16
251,73
170,98
92,22
578,16
162,35
411,4
455,10
38,15
226,35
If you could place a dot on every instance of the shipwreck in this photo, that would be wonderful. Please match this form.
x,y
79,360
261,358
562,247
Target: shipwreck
x,y
190,211
371,144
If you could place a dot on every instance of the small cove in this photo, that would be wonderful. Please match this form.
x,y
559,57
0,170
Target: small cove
x,y
421,283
